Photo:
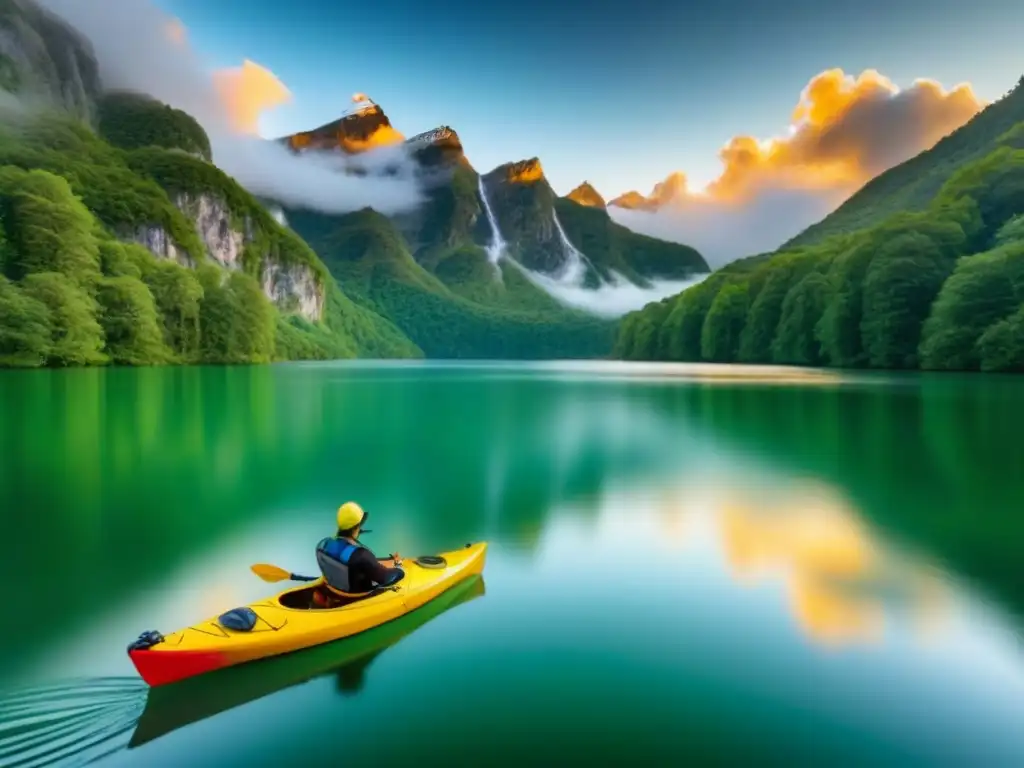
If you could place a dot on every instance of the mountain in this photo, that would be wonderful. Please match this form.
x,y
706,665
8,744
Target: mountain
x,y
463,306
585,194
122,243
664,193
526,209
923,268
437,262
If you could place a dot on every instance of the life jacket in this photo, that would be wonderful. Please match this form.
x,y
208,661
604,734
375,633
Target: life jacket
x,y
333,556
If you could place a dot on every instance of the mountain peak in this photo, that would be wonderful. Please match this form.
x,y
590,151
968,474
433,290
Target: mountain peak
x,y
360,128
585,194
523,171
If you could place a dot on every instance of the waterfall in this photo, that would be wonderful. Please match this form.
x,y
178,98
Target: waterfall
x,y
575,266
496,249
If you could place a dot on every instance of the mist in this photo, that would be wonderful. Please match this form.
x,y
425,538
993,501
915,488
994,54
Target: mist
x,y
610,299
139,48
723,232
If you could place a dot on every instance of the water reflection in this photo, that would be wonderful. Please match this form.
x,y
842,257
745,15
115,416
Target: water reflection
x,y
873,521
842,578
83,720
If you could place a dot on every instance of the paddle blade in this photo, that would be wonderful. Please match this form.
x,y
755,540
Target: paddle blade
x,y
271,573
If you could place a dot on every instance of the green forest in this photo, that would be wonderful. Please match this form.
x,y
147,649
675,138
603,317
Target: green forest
x,y
459,309
921,269
74,292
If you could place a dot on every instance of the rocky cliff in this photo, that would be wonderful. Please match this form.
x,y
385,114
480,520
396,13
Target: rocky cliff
x,y
523,203
43,60
294,288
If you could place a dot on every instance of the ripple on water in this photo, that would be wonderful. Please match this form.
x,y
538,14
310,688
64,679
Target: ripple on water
x,y
70,722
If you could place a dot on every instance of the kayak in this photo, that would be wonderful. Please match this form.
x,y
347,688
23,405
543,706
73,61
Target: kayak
x,y
170,707
291,620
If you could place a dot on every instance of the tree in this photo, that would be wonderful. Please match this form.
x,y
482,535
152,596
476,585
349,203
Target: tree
x,y
982,290
796,342
48,228
253,323
178,295
720,338
901,283
115,260
24,327
766,310
1001,347
129,319
76,337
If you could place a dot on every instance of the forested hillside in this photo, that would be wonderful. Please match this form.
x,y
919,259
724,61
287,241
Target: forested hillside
x,y
458,308
937,288
80,286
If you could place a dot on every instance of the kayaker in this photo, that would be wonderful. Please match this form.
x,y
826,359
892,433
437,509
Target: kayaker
x,y
347,566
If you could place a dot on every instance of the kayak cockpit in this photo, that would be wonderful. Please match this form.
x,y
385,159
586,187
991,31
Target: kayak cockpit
x,y
319,597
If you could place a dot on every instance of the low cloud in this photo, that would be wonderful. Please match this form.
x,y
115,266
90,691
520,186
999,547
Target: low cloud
x,y
610,299
844,131
140,48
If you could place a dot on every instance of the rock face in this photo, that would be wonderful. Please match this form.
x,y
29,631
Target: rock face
x,y
523,203
44,60
585,194
294,287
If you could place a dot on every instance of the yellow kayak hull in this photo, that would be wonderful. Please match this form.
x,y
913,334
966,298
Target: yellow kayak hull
x,y
280,628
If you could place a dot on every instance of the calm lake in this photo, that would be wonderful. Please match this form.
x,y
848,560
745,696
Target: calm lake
x,y
682,566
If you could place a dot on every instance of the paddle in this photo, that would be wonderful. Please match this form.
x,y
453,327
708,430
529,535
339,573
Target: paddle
x,y
272,573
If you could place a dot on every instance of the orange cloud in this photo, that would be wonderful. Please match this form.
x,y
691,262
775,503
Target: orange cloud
x,y
247,92
844,131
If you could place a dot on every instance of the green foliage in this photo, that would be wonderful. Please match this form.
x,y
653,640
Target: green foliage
x,y
47,228
642,333
1011,232
369,257
901,283
681,338
183,175
1001,347
97,173
796,342
24,327
996,185
982,290
132,121
129,319
720,337
116,260
178,295
76,337
66,194
766,309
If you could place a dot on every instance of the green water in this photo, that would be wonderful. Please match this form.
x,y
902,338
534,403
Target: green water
x,y
680,568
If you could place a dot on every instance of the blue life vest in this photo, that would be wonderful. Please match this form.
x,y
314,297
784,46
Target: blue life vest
x,y
333,556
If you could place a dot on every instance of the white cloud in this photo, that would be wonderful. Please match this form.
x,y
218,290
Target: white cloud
x,y
140,48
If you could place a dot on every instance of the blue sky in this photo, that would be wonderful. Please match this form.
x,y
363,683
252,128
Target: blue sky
x,y
618,92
